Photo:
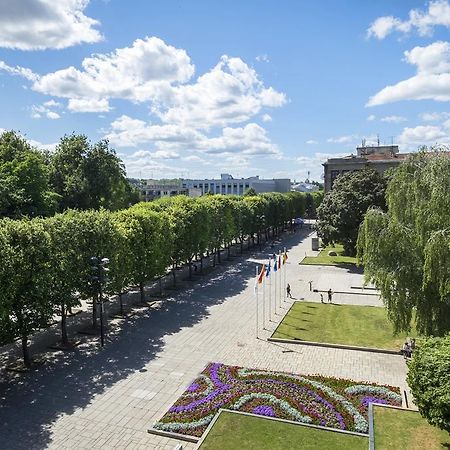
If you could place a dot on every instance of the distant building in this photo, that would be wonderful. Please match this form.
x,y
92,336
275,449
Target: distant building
x,y
153,189
304,187
380,158
227,185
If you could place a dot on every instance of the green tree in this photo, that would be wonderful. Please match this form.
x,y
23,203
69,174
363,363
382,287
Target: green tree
x,y
429,380
25,303
406,251
24,182
342,210
250,192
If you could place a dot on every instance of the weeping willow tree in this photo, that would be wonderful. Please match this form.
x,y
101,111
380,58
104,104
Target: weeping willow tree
x,y
406,251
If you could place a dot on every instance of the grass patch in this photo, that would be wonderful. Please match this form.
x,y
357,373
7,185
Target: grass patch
x,y
406,429
235,431
362,326
324,260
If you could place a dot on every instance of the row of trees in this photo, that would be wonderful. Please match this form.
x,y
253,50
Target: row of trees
x,y
77,174
46,268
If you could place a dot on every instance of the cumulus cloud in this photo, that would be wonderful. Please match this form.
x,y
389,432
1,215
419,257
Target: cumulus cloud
x,y
311,142
394,119
251,139
423,135
19,71
432,80
371,118
438,14
266,118
229,93
47,110
43,24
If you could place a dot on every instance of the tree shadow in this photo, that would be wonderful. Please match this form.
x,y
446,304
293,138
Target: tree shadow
x,y
31,403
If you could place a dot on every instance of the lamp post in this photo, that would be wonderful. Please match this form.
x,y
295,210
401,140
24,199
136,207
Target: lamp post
x,y
99,280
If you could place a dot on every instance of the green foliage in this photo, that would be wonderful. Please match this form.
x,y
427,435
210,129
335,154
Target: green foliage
x,y
89,176
429,380
250,192
342,210
24,188
406,251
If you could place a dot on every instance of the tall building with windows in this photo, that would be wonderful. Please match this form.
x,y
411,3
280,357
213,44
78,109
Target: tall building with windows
x,y
380,158
227,185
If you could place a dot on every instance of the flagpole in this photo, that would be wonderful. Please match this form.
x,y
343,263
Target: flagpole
x,y
256,301
270,296
281,282
284,264
264,302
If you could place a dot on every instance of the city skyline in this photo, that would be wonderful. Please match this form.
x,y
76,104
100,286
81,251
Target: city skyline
x,y
194,89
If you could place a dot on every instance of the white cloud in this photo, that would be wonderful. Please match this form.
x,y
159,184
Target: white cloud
x,y
42,24
19,71
138,73
46,110
422,135
371,117
266,118
229,93
438,14
435,116
394,119
432,80
251,139
343,139
262,58
311,142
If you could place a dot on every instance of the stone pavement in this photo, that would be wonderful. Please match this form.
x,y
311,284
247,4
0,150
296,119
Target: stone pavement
x,y
94,398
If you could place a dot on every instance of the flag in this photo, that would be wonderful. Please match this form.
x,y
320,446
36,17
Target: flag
x,y
279,261
275,268
261,274
268,270
285,257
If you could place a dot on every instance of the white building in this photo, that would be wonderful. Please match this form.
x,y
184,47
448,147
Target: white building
x,y
305,187
227,185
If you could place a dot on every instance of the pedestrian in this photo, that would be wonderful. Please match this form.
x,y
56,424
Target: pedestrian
x,y
288,291
406,350
413,345
330,296
321,298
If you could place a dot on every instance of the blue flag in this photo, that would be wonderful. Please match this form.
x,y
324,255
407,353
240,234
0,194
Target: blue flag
x,y
275,268
268,268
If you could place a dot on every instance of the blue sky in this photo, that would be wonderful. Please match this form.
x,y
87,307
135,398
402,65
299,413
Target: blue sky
x,y
197,88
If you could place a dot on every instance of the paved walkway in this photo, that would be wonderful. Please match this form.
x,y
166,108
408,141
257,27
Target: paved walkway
x,y
108,398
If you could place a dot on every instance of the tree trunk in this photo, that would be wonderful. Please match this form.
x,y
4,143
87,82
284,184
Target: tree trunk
x,y
121,303
190,269
26,351
94,310
160,286
64,340
174,276
229,251
218,255
214,258
141,289
201,264
242,246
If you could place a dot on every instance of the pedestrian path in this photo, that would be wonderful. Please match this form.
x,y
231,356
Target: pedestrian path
x,y
108,398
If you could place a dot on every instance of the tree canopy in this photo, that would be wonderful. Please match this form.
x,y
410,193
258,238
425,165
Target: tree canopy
x,y
406,251
343,208
429,380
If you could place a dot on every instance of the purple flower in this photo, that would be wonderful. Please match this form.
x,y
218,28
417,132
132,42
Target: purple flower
x,y
264,410
193,387
369,399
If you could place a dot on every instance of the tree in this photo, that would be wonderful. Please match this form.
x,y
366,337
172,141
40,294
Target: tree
x,y
342,210
24,182
406,251
89,176
250,192
25,303
429,380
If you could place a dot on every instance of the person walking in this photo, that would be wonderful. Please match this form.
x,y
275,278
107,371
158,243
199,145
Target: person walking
x,y
330,296
321,298
288,290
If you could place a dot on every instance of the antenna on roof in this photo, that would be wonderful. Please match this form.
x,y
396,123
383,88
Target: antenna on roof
x,y
378,140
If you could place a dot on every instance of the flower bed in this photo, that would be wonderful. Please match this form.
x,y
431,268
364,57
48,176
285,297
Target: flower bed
x,y
330,402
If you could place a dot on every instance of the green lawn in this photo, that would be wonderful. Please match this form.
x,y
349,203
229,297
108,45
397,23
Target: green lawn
x,y
236,431
323,259
397,429
362,326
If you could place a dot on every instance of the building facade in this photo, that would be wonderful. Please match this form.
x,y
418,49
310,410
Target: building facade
x,y
153,189
379,158
227,185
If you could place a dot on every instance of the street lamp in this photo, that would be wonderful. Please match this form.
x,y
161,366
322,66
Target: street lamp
x,y
99,279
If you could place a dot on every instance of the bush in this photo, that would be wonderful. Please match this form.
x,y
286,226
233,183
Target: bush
x,y
429,380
